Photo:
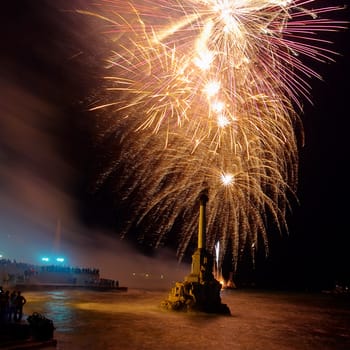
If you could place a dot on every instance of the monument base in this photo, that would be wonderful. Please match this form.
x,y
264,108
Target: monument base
x,y
200,291
195,296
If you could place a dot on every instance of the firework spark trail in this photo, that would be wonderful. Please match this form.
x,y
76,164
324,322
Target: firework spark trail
x,y
202,94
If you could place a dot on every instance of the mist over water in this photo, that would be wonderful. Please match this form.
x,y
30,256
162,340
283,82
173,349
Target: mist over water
x,y
43,156
115,259
42,152
39,214
120,261
134,320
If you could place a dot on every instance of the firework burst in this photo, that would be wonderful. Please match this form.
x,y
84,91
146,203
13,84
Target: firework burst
x,y
204,94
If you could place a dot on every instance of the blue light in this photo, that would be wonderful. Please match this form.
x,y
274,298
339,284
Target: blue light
x,y
45,259
60,259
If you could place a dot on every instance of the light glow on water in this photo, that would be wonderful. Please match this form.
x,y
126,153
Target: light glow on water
x,y
134,320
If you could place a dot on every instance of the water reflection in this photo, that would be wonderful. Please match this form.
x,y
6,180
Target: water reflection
x,y
134,320
55,305
60,309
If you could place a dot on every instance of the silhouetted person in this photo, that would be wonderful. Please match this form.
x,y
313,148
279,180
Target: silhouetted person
x,y
12,305
20,301
4,306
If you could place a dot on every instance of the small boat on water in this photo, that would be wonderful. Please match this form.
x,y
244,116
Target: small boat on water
x,y
37,332
24,335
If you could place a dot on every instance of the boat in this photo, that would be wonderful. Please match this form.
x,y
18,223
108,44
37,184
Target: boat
x,y
37,332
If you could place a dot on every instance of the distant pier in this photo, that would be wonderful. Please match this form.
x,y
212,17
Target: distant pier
x,y
22,276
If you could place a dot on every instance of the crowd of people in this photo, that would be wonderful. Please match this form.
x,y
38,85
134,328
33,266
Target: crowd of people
x,y
68,269
11,270
13,273
11,305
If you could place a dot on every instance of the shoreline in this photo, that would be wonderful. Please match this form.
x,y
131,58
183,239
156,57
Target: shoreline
x,y
57,286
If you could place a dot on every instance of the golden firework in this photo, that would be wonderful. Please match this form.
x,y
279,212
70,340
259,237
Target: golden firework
x,y
203,94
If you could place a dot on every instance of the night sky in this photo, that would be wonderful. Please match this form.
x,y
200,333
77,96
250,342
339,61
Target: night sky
x,y
50,65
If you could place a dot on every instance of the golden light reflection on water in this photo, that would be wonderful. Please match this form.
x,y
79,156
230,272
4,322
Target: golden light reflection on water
x,y
116,308
55,305
63,305
134,320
